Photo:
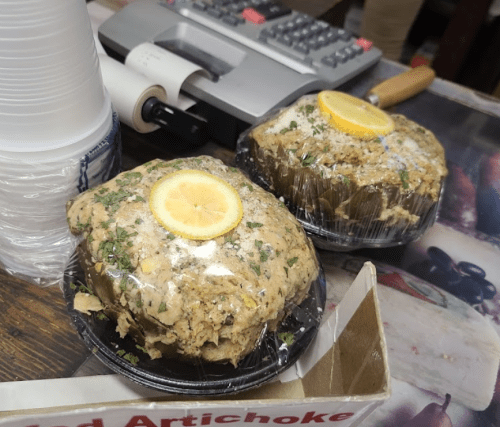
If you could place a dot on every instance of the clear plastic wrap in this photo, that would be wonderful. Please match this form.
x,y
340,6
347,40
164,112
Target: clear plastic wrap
x,y
191,316
346,192
35,243
274,351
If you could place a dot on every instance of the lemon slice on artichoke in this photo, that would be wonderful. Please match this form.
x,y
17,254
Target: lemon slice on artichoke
x,y
195,204
354,116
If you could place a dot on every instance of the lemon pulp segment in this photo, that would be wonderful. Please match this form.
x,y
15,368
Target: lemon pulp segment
x,y
195,204
354,116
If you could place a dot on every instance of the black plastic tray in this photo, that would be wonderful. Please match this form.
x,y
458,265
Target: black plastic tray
x,y
268,360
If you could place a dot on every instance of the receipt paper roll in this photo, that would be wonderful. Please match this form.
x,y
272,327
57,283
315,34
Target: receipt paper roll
x,y
129,90
162,67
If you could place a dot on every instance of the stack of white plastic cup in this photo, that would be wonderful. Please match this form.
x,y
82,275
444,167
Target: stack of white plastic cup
x,y
58,132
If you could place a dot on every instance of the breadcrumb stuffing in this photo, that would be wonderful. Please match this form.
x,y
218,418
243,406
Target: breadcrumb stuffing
x,y
196,299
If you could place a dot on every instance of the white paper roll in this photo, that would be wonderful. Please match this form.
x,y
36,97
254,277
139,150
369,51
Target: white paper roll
x,y
162,67
129,90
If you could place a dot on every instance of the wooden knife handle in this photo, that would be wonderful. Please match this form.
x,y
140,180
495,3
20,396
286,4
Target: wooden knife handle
x,y
402,86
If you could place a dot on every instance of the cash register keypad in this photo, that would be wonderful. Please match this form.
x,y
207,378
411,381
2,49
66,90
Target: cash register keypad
x,y
276,26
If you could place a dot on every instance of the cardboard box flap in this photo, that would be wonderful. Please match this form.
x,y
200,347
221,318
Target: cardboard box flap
x,y
334,323
357,363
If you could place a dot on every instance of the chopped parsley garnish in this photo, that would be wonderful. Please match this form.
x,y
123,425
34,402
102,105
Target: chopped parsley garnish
x,y
124,281
160,165
105,224
170,236
132,358
112,200
286,337
113,249
141,348
404,176
254,224
81,226
83,288
130,178
176,164
122,234
102,316
243,184
263,256
308,160
318,129
306,109
292,261
256,268
230,239
162,308
293,125
346,180
258,243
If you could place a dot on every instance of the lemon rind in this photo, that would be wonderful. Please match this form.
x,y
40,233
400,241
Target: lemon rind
x,y
160,213
351,127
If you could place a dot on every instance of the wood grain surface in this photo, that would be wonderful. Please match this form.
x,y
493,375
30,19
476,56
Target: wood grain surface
x,y
37,338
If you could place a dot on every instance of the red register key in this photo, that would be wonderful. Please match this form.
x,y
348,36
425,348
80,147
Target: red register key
x,y
253,16
364,43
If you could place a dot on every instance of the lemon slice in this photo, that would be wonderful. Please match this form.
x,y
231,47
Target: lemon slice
x,y
195,204
354,116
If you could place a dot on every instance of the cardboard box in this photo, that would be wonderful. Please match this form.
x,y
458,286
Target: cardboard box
x,y
340,380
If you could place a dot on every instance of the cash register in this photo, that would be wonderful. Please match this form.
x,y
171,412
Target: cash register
x,y
257,54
